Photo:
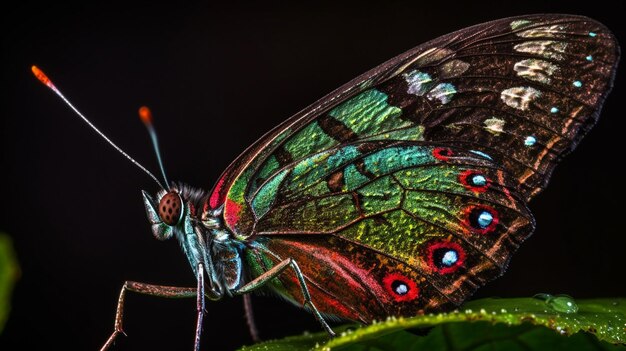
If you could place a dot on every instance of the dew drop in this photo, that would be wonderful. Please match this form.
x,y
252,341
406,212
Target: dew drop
x,y
564,304
559,303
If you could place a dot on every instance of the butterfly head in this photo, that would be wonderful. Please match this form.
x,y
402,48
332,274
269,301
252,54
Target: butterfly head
x,y
172,209
164,213
172,212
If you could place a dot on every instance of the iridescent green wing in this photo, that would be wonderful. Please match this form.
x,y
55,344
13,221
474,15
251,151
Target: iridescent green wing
x,y
521,90
388,228
509,97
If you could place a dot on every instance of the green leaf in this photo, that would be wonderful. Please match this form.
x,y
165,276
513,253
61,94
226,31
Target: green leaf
x,y
543,323
9,272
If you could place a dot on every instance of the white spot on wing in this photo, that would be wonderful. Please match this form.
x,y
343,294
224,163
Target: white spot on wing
x,y
519,97
519,24
453,68
545,31
442,92
534,69
494,125
545,48
419,82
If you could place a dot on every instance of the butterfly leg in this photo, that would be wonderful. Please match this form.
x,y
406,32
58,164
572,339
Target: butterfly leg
x,y
199,306
160,291
275,272
247,305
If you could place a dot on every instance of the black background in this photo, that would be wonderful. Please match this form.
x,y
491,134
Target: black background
x,y
217,78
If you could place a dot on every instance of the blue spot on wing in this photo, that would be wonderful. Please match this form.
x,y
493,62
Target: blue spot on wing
x,y
481,154
484,219
479,180
530,140
449,258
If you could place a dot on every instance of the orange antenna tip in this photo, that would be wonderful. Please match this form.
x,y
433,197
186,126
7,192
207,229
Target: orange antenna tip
x,y
146,115
41,76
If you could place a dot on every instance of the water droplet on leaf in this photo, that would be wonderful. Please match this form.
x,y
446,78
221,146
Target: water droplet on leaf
x,y
559,303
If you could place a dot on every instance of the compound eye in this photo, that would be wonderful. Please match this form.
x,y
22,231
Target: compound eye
x,y
171,208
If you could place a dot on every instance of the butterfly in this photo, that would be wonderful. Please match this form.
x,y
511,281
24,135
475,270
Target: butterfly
x,y
404,190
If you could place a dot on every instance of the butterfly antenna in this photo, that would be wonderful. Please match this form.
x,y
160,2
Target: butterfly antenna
x,y
47,82
146,117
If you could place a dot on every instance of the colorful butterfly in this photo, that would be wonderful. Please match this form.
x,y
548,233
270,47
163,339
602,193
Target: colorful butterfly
x,y
402,191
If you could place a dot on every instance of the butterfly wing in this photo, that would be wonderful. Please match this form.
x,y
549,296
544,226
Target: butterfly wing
x,y
404,226
522,90
525,95
516,93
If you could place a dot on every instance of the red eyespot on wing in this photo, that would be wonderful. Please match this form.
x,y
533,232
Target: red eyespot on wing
x,y
481,219
444,256
400,287
474,181
442,153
